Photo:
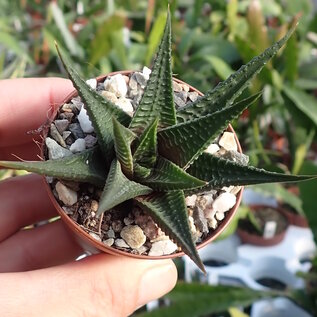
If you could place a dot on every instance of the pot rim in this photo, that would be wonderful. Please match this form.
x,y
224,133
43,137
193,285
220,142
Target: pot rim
x,y
100,246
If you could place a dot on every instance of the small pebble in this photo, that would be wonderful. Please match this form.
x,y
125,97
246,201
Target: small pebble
x,y
220,216
228,142
235,190
190,200
66,134
133,236
109,242
84,121
212,148
77,103
61,125
117,85
128,221
78,146
110,234
212,223
95,236
200,220
94,205
65,194
56,135
177,87
141,79
193,96
55,151
109,96
224,202
90,141
121,243
162,247
141,249
179,101
92,83
76,130
146,72
236,157
133,84
125,104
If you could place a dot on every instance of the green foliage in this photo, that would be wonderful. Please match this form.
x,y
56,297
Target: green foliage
x,y
196,300
147,155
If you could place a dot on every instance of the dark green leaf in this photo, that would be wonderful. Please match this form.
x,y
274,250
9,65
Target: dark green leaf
x,y
87,166
123,138
196,300
157,100
99,109
303,101
184,142
119,188
226,92
166,176
220,172
140,171
169,211
146,152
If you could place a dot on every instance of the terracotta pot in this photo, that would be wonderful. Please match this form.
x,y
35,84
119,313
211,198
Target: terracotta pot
x,y
94,246
254,239
294,219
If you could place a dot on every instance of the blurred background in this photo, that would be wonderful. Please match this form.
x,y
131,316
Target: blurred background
x,y
211,39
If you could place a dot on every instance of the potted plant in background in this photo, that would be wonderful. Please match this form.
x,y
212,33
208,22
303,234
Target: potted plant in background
x,y
143,166
263,226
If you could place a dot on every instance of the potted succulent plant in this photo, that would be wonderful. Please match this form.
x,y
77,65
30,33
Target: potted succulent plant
x,y
263,226
156,173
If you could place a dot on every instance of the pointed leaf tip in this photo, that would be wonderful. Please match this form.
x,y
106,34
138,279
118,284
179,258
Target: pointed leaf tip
x,y
227,91
119,188
123,138
146,151
158,97
169,211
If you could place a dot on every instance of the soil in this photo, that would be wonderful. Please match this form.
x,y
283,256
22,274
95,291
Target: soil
x,y
107,228
263,216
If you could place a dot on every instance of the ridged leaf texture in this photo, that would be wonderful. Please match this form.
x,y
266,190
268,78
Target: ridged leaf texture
x,y
167,176
99,109
184,142
160,156
146,151
86,166
170,212
219,172
227,91
119,188
123,138
158,99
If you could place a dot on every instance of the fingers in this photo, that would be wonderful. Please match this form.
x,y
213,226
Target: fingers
x,y
28,152
23,201
25,105
41,247
101,285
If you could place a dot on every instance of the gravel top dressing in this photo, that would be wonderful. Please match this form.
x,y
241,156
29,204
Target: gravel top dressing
x,y
129,228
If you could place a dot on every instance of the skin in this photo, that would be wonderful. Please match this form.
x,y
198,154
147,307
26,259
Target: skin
x,y
38,274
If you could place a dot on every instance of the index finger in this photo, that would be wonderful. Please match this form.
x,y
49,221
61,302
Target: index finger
x,y
25,103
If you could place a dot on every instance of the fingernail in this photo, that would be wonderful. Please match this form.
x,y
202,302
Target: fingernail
x,y
157,281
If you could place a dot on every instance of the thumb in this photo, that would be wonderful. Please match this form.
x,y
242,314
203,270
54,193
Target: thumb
x,y
101,285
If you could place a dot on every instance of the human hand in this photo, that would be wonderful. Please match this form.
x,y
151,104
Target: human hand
x,y
39,276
